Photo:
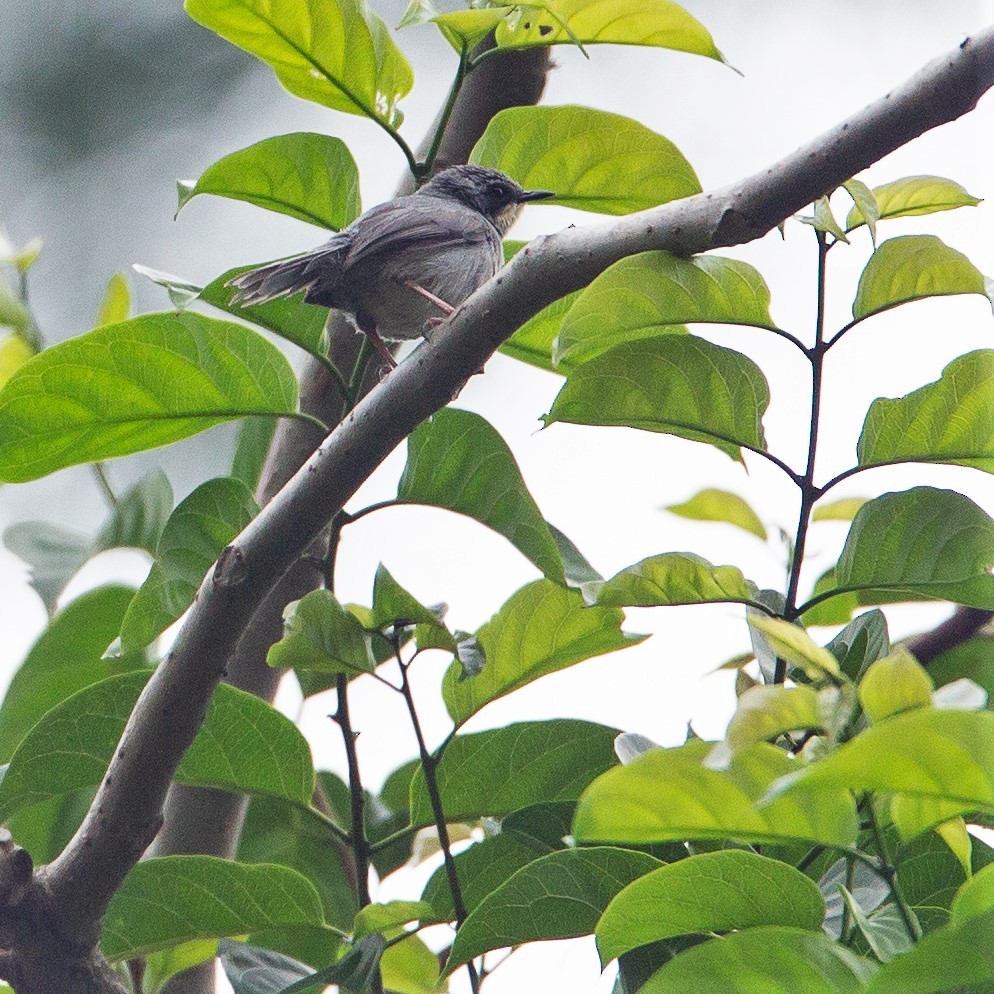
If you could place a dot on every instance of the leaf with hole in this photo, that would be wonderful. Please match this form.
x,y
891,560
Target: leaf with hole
x,y
731,889
308,176
136,385
543,628
655,293
590,159
678,384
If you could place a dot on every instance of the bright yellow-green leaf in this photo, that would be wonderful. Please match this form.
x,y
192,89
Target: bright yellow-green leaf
x,y
912,815
914,195
116,305
843,509
976,896
463,29
15,351
339,53
764,712
797,647
720,505
824,220
590,159
658,23
955,835
866,204
894,684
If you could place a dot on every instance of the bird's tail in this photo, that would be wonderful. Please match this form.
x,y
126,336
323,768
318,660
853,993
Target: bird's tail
x,y
278,279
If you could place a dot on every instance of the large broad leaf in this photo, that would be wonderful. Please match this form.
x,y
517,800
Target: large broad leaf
x,y
912,267
766,711
647,295
67,657
503,770
894,684
771,959
255,435
136,385
945,755
713,892
675,578
958,957
534,341
308,176
948,421
559,896
483,867
457,461
194,536
173,899
340,54
590,159
677,384
541,629
671,795
244,745
659,23
289,317
914,195
919,544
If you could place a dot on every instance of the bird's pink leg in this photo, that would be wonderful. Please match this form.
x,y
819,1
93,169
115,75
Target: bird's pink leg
x,y
446,309
369,330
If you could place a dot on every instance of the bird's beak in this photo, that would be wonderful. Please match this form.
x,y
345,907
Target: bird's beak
x,y
534,195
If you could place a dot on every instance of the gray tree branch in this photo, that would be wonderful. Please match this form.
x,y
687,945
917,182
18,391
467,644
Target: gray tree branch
x,y
168,714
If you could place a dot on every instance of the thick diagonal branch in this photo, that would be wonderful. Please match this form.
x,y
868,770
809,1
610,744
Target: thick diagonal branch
x,y
169,712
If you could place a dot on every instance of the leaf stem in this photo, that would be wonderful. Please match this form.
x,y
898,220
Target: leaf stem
x,y
358,370
429,766
887,870
97,468
423,168
809,492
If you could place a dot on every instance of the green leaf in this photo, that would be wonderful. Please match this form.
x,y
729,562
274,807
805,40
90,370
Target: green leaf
x,y
824,220
52,552
590,159
321,634
975,897
140,515
771,959
713,892
244,745
884,930
194,536
13,313
951,959
720,505
658,23
843,509
289,317
410,967
484,866
251,970
835,610
67,657
676,384
340,55
255,435
116,303
280,831
558,896
794,645
912,267
945,755
456,460
45,829
15,351
921,543
390,917
865,203
173,899
353,973
655,293
505,769
395,607
675,578
464,29
133,386
161,966
764,712
973,660
671,795
180,291
307,176
914,195
862,642
534,341
543,628
894,684
948,421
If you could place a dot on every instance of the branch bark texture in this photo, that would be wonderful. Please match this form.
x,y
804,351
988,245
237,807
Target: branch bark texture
x,y
167,716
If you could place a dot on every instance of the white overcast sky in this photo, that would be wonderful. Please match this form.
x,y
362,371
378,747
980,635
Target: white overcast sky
x,y
806,66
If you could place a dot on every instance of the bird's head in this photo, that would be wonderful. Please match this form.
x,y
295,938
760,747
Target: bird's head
x,y
496,196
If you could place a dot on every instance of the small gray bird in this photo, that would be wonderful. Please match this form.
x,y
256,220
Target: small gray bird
x,y
401,263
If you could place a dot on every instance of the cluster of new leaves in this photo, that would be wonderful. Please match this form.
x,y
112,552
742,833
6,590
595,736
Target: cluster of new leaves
x,y
821,846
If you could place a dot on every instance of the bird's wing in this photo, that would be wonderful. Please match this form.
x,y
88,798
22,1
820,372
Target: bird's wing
x,y
415,222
